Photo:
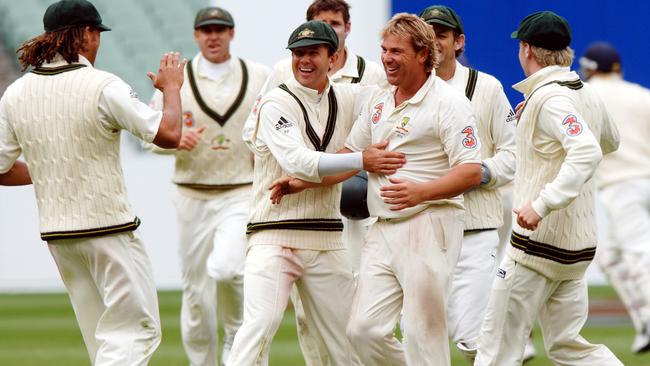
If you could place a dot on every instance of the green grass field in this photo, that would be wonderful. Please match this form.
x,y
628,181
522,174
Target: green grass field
x,y
40,329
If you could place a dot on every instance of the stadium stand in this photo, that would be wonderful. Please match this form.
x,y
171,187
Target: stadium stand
x,y
142,31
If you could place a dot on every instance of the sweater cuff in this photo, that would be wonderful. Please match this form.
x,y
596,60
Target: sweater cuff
x,y
540,207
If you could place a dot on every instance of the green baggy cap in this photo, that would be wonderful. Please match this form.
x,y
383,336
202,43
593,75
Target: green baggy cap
x,y
213,15
544,29
313,32
72,13
443,15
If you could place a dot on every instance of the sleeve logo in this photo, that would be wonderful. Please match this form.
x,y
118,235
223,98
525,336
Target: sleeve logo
x,y
376,114
469,142
573,127
283,124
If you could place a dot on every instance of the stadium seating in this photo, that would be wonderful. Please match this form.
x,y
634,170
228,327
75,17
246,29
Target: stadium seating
x,y
142,31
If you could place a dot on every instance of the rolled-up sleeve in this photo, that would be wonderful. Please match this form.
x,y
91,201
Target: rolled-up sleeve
x,y
280,133
120,108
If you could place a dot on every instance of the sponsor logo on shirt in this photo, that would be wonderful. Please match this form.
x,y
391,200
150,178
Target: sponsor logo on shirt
x,y
256,105
511,116
133,94
188,119
283,124
501,273
377,110
469,142
573,127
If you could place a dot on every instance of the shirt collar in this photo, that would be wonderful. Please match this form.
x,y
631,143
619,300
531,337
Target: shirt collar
x,y
349,69
422,92
459,79
59,61
200,60
311,95
546,74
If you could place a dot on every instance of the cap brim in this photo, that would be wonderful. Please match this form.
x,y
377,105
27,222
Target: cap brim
x,y
307,42
514,35
440,22
213,22
103,28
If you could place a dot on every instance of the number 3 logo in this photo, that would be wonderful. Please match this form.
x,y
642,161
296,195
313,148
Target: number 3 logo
x,y
469,141
573,127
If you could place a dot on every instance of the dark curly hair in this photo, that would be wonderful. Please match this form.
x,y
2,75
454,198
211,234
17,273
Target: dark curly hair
x,y
40,49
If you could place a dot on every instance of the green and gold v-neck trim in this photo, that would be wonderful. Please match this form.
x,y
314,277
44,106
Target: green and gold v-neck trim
x,y
331,119
220,119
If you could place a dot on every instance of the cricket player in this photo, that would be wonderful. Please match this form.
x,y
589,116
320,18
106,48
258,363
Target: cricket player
x,y
300,127
349,68
562,132
472,279
623,180
411,251
214,172
65,116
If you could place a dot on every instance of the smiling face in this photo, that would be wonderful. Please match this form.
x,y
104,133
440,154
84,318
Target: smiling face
x,y
403,65
448,44
310,65
214,42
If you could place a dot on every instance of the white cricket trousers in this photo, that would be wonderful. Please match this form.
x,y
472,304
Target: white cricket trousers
x,y
624,254
406,265
470,288
212,242
354,237
325,285
111,288
519,297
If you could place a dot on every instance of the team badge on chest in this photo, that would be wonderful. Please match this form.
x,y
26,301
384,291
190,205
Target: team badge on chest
x,y
220,142
403,127
188,119
572,126
376,112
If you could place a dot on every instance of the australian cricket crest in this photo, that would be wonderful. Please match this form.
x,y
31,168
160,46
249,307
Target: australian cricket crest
x,y
220,142
403,127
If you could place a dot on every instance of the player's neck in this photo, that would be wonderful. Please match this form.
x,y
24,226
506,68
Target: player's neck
x,y
446,70
340,61
407,90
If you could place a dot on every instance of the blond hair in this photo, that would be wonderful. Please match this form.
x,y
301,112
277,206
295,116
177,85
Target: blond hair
x,y
421,35
546,57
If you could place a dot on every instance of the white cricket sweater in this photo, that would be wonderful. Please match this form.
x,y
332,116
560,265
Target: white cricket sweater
x,y
73,160
557,154
221,160
310,219
629,106
496,130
